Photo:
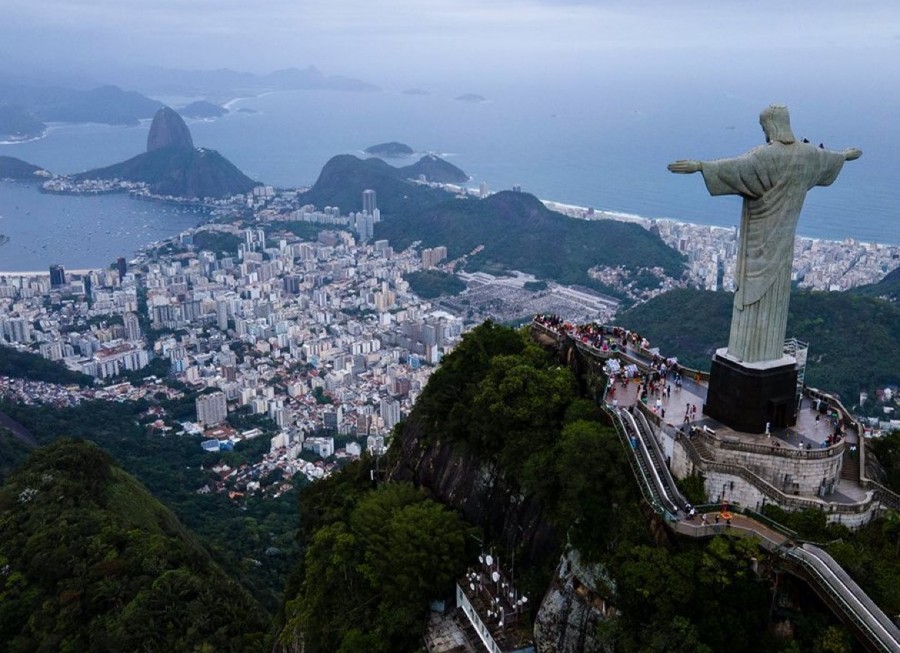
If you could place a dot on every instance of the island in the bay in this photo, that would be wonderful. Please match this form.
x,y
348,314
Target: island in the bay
x,y
202,109
471,97
390,150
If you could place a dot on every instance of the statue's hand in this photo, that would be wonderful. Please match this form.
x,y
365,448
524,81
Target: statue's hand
x,y
851,154
685,166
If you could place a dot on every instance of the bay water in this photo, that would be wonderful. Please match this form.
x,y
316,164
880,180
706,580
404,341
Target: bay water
x,y
603,146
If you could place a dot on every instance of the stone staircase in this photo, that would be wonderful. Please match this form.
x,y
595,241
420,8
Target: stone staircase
x,y
850,466
701,448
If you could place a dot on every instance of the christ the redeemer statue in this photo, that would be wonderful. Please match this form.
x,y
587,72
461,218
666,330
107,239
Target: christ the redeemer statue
x,y
773,180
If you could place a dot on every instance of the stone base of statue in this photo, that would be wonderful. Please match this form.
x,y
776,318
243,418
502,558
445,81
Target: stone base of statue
x,y
748,396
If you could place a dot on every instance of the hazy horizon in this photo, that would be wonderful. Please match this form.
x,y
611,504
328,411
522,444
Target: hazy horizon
x,y
464,44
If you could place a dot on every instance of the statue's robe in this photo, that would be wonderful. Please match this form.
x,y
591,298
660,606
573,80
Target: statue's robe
x,y
773,180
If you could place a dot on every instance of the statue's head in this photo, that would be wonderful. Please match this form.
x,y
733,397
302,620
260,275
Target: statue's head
x,y
776,124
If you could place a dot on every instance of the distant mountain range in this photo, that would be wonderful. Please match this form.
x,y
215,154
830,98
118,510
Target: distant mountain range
x,y
27,105
173,166
25,110
225,83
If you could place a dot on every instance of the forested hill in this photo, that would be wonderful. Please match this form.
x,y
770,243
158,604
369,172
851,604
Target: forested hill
x,y
18,170
516,231
854,341
90,561
180,172
436,169
501,435
26,365
888,288
344,178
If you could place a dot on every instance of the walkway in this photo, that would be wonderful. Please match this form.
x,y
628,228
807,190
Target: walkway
x,y
660,491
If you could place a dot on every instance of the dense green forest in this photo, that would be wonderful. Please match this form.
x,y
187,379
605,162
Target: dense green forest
x,y
91,561
253,539
434,283
501,396
24,365
854,341
374,560
216,241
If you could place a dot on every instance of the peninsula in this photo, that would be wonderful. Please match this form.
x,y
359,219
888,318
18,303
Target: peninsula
x,y
18,170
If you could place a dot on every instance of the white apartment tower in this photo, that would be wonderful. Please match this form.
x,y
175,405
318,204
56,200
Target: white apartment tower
x,y
211,409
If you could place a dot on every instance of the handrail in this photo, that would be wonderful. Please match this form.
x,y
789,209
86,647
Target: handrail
x,y
647,433
660,487
849,597
884,494
783,452
643,481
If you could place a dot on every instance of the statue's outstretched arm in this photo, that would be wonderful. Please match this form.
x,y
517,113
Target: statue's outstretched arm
x,y
685,166
852,153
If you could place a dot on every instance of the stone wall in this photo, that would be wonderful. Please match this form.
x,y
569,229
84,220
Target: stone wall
x,y
793,474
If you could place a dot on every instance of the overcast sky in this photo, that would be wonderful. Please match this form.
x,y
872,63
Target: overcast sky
x,y
411,41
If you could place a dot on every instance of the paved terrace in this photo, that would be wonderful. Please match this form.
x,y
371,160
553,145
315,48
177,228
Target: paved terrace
x,y
805,438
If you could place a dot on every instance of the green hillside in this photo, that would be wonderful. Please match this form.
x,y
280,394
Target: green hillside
x,y
92,562
854,341
516,231
888,288
24,365
513,231
17,169
344,178
435,169
179,171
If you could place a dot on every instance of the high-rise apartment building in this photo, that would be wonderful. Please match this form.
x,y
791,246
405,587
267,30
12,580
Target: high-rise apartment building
x,y
368,199
211,409
132,326
57,276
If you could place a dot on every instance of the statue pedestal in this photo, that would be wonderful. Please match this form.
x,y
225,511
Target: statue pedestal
x,y
747,396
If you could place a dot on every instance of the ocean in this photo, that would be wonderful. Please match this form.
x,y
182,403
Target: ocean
x,y
603,146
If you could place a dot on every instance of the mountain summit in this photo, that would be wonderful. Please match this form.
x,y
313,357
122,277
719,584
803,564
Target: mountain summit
x,y
172,166
168,130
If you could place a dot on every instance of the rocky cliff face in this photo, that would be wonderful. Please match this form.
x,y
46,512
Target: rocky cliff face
x,y
573,609
464,481
569,613
168,130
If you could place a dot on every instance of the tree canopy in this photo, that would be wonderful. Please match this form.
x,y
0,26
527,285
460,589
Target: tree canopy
x,y
92,562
